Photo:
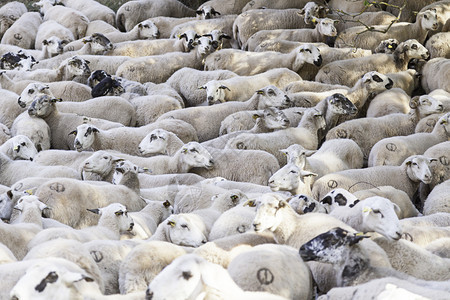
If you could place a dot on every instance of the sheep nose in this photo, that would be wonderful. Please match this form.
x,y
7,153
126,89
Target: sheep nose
x,y
440,107
204,241
157,34
256,226
399,236
210,98
148,295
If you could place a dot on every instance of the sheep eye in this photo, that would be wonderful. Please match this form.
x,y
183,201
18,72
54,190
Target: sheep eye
x,y
184,226
271,92
30,91
119,213
376,211
414,46
414,164
426,17
292,171
307,50
194,150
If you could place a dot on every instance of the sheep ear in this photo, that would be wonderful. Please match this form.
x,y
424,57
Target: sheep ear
x,y
166,204
203,87
45,42
304,173
224,87
214,12
94,210
282,203
301,12
356,238
260,92
256,116
9,194
140,26
397,209
314,21
73,132
198,12
284,151
144,170
56,100
326,200
224,36
432,160
42,206
309,152
250,203
414,102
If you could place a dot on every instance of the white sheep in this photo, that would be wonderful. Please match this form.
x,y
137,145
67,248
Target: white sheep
x,y
367,131
246,63
358,36
19,147
92,9
393,151
323,30
160,141
9,13
149,108
293,179
192,270
113,220
23,32
50,29
435,74
166,24
389,102
204,27
213,115
133,12
241,88
437,199
438,45
406,177
383,63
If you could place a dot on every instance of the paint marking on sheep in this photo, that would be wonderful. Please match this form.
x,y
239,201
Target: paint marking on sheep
x,y
97,256
391,147
332,184
443,160
57,187
265,276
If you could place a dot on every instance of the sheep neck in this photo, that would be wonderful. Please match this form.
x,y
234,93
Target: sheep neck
x,y
174,144
416,31
354,268
32,216
286,228
358,94
260,127
110,226
131,181
177,165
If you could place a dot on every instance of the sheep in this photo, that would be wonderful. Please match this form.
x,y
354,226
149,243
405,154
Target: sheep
x,y
407,14
383,63
126,139
247,268
274,214
437,199
306,134
17,61
150,108
5,134
192,268
133,12
160,141
356,36
366,132
113,220
324,29
438,45
187,81
204,27
245,120
387,46
350,260
92,9
107,87
250,63
207,12
61,123
49,29
293,179
389,102
393,151
166,24
332,156
18,36
142,31
398,197
19,147
249,22
408,175
213,115
218,39
133,69
128,86
9,13
147,220
241,88
435,74
237,220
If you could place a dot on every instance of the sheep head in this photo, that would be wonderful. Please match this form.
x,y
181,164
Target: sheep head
x,y
268,214
418,168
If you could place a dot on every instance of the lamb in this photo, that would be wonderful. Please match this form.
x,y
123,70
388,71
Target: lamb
x,y
245,267
232,89
305,134
13,170
61,123
366,132
408,175
294,230
383,63
126,139
19,147
350,260
323,30
199,270
430,80
437,199
131,13
393,151
147,220
113,220
187,86
170,62
249,63
213,115
249,22
52,28
356,36
9,13
18,36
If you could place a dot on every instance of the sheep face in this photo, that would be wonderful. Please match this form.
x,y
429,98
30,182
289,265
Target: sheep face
x,y
101,162
154,143
29,201
307,54
217,37
229,199
418,168
196,156
107,87
99,43
426,104
268,215
23,148
412,49
332,246
54,45
204,46
96,77
31,91
123,170
6,205
428,19
189,38
338,197
148,30
42,106
184,230
271,96
19,61
375,82
84,137
341,105
296,154
326,27
379,215
207,12
78,67
387,46
215,92
291,178
50,280
275,118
